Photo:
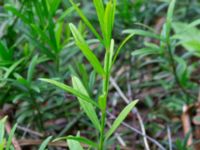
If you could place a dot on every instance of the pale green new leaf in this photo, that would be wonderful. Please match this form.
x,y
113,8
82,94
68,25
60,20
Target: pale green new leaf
x,y
45,143
74,145
71,90
107,28
121,46
111,53
81,43
8,144
87,107
10,70
79,139
16,12
143,33
2,129
100,12
120,118
188,36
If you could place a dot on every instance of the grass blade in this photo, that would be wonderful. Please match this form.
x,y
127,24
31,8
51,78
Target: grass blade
x,y
79,139
74,145
2,129
31,68
8,144
121,46
143,33
169,18
45,143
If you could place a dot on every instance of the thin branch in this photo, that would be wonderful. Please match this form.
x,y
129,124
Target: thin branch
x,y
169,138
135,111
30,131
14,140
139,132
30,142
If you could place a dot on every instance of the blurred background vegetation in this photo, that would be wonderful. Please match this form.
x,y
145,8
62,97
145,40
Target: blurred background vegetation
x,y
35,42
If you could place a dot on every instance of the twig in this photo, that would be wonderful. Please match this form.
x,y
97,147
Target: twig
x,y
30,131
30,142
14,140
169,137
139,132
186,124
135,111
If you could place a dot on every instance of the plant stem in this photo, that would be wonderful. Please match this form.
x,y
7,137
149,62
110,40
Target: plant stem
x,y
103,120
57,63
105,91
39,115
172,61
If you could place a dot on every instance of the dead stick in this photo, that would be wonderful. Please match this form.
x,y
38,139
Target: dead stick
x,y
186,124
14,141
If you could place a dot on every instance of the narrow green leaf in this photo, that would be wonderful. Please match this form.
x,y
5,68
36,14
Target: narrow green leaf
x,y
9,71
2,144
54,6
143,33
109,57
16,12
42,35
86,21
81,43
120,118
65,13
74,145
121,46
87,107
2,129
45,143
71,90
31,68
39,12
79,139
8,144
111,53
58,34
100,12
145,51
169,18
4,52
107,28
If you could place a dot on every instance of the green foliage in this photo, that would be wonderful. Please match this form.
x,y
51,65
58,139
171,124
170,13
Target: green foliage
x,y
77,46
106,21
120,118
4,141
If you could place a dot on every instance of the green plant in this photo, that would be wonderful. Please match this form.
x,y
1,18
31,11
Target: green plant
x,y
165,53
106,17
5,142
39,27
